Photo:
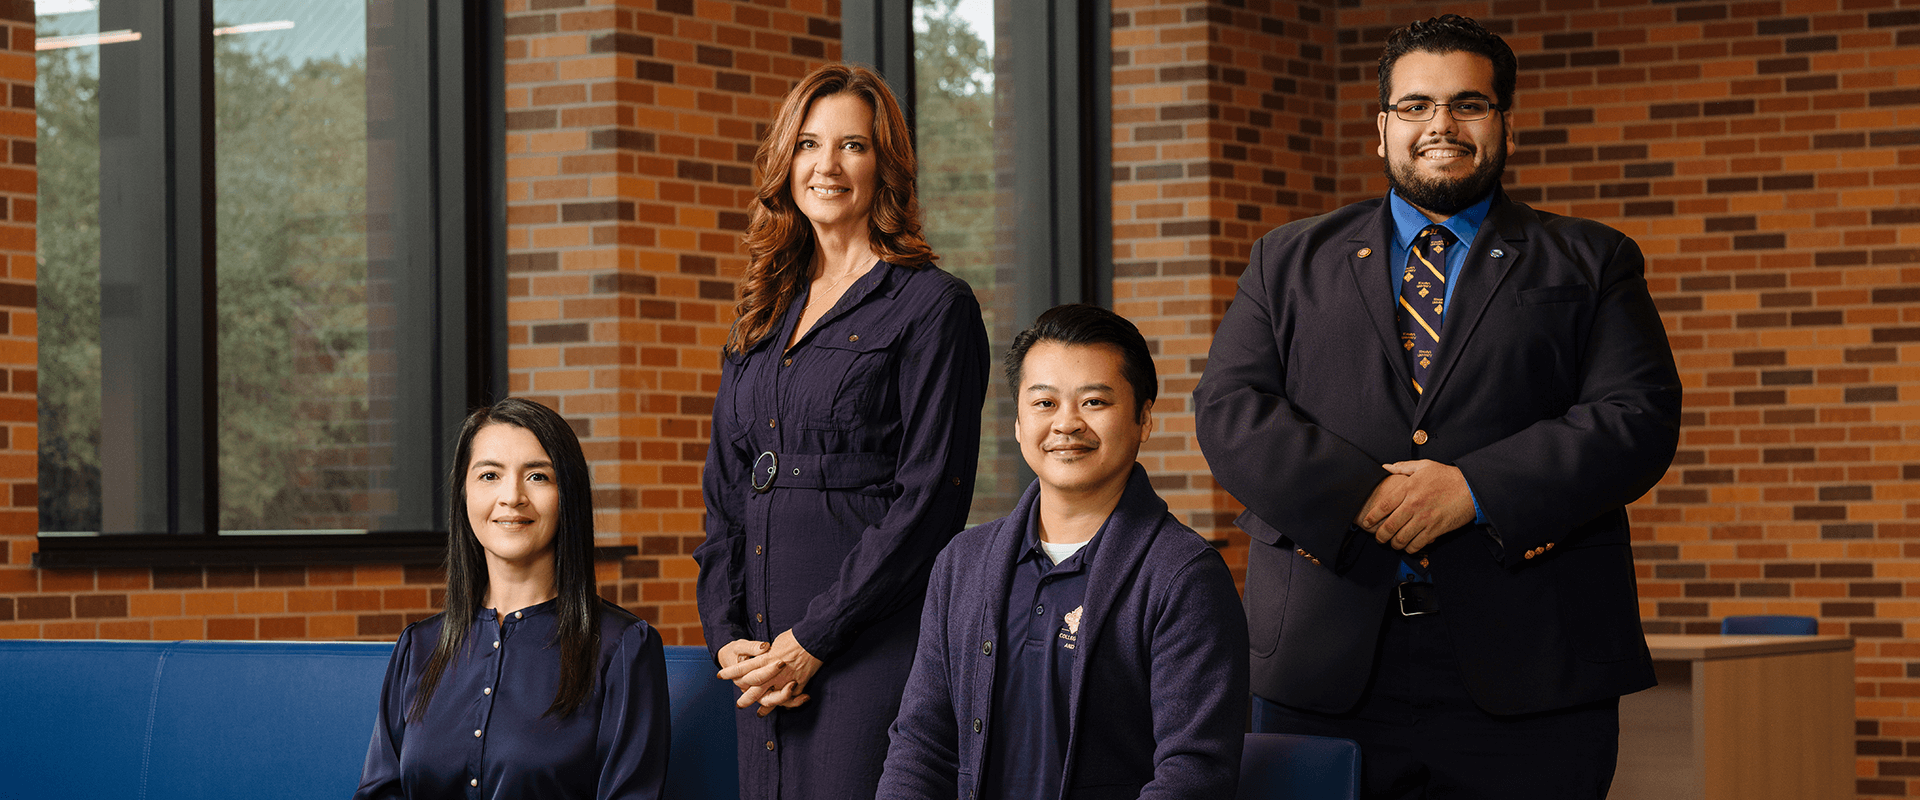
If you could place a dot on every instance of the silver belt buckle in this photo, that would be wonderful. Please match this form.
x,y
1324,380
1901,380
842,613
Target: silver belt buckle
x,y
1418,601
764,469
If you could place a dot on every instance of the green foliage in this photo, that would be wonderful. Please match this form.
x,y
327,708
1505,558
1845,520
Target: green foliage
x,y
291,171
68,154
293,315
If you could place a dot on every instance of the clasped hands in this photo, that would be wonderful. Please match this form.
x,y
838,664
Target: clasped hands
x,y
773,675
1417,503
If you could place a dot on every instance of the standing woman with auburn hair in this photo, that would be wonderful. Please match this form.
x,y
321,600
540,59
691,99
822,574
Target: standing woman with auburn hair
x,y
529,684
845,438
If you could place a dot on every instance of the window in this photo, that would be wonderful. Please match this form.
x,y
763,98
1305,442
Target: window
x,y
269,237
1009,102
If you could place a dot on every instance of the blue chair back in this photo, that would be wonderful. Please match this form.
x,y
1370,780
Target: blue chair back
x,y
205,720
1286,766
1769,624
162,720
704,761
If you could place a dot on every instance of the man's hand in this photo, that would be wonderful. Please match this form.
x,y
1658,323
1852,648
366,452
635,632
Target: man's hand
x,y
1428,501
776,677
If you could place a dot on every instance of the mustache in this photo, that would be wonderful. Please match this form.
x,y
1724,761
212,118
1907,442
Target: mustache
x,y
1070,441
1450,142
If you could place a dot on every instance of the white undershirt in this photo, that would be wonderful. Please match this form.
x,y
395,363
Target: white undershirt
x,y
1061,552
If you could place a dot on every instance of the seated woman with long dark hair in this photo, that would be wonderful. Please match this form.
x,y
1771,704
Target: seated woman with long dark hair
x,y
542,689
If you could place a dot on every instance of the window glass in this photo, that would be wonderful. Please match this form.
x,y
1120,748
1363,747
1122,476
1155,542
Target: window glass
x,y
300,411
67,51
963,139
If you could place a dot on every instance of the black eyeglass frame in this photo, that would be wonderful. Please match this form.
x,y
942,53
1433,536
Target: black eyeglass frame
x,y
1452,110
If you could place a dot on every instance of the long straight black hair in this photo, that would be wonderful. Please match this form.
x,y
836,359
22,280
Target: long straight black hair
x,y
578,609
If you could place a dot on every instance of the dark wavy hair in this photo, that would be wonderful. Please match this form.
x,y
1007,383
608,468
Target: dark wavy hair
x,y
780,239
1081,324
1451,33
578,609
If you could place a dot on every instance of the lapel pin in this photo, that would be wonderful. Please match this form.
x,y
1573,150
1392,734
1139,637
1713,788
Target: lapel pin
x,y
1498,254
1364,252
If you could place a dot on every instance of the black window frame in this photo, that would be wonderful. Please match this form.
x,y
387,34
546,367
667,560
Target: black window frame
x,y
453,186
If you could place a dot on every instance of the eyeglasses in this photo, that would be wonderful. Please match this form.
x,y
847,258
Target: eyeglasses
x,y
1463,111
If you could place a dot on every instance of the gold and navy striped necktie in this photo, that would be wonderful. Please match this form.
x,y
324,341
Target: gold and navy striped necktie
x,y
1423,294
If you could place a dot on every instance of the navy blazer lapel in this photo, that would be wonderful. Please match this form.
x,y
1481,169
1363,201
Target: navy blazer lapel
x,y
1504,230
1004,548
1368,255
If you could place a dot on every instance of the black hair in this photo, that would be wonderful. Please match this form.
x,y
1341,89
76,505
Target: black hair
x,y
1080,324
1451,33
578,606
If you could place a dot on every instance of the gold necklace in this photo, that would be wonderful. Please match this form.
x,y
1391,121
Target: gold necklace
x,y
815,296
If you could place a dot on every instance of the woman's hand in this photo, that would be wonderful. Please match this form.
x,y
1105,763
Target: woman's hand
x,y
737,651
776,677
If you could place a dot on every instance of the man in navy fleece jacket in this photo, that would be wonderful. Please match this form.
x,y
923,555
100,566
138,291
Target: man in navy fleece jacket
x,y
1088,644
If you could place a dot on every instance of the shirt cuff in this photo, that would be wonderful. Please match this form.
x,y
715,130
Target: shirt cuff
x,y
1479,517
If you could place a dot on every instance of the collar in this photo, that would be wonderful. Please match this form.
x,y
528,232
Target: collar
x,y
1408,221
533,610
1030,539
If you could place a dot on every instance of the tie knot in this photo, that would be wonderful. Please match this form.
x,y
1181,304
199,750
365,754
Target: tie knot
x,y
1437,237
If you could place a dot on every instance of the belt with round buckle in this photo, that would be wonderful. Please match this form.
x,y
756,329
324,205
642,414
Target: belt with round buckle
x,y
764,468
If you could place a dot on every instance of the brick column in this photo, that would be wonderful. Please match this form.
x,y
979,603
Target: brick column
x,y
1220,134
631,131
19,357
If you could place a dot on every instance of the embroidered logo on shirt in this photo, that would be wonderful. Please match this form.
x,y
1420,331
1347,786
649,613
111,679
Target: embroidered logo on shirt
x,y
1071,631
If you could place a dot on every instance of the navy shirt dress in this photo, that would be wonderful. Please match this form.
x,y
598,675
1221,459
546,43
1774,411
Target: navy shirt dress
x,y
485,734
837,470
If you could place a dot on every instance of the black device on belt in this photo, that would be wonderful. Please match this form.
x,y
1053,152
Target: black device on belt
x,y
1417,598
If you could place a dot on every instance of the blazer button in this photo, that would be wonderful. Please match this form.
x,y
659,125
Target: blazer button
x,y
1530,554
1420,437
1548,547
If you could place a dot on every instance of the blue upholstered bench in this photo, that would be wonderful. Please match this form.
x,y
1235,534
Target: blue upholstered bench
x,y
81,720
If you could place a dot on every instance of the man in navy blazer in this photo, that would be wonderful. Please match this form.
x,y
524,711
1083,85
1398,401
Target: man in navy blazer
x,y
1088,645
1435,407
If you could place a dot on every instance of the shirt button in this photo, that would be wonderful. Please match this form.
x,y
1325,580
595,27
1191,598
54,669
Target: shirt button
x,y
1039,609
854,338
473,782
986,648
771,423
976,724
758,549
516,615
786,362
496,645
759,618
476,734
488,690
769,745
1420,437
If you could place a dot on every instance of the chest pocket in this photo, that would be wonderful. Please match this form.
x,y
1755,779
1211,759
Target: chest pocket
x,y
852,371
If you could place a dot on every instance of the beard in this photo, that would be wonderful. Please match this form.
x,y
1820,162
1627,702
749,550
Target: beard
x,y
1446,196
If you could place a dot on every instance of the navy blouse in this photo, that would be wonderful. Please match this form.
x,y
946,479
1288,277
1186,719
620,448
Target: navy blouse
x,y
484,736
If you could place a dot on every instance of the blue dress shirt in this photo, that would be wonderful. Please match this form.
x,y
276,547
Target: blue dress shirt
x,y
1408,222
